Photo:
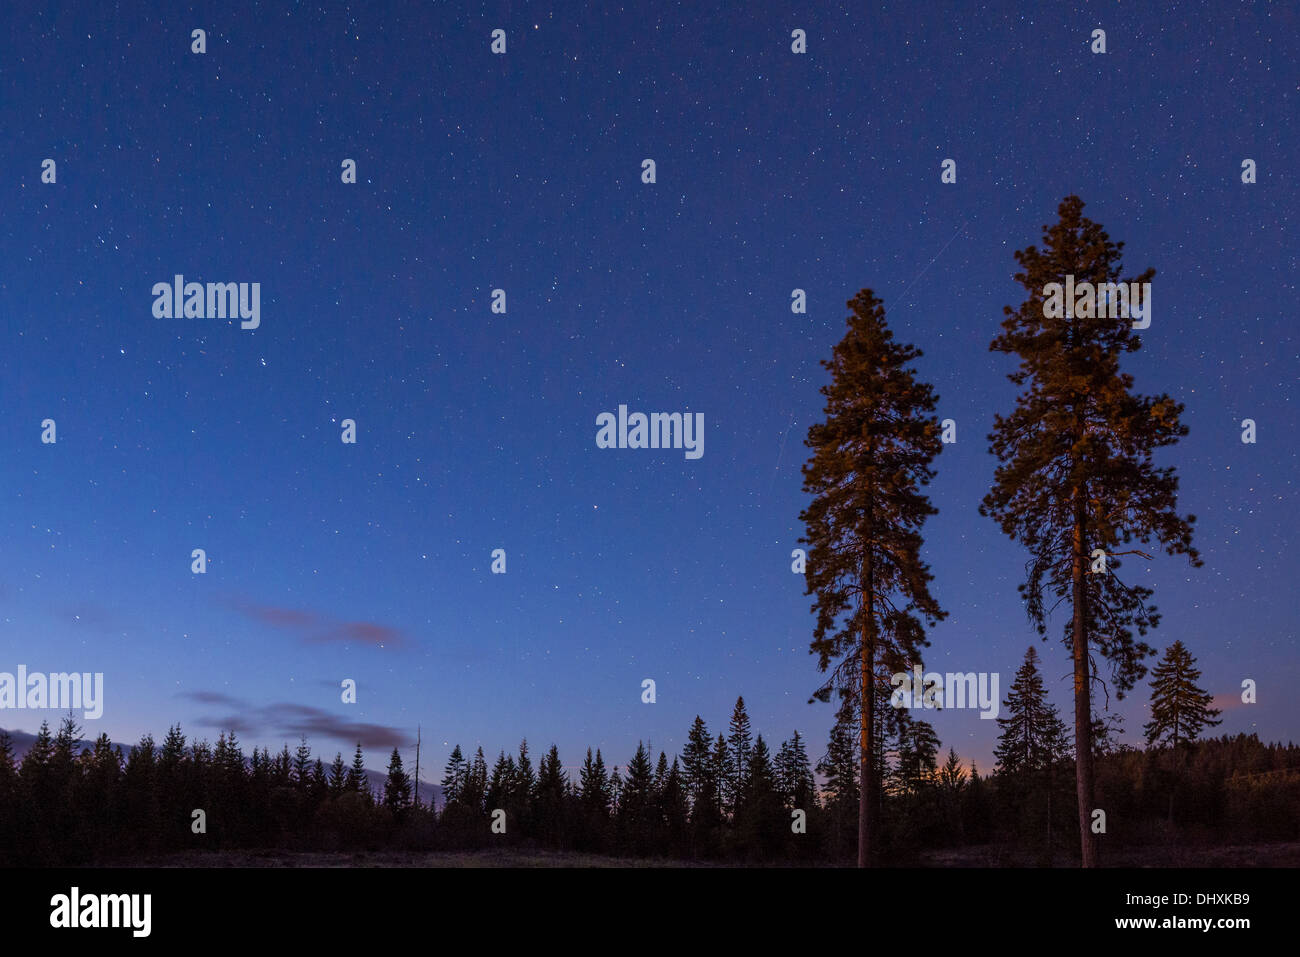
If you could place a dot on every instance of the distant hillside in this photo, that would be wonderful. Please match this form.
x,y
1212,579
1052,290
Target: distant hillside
x,y
22,743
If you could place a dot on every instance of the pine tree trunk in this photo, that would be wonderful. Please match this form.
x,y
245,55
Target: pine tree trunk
x,y
866,819
867,789
1082,690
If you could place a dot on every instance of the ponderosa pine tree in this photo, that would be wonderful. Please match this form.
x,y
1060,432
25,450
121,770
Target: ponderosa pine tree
x,y
870,460
1179,709
1076,482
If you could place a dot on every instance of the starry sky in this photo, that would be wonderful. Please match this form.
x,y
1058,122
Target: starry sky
x,y
476,430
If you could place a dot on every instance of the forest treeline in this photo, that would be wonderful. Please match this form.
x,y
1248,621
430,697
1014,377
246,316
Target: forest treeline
x,y
729,797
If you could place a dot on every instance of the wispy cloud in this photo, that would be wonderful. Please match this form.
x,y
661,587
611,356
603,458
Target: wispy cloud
x,y
312,627
289,720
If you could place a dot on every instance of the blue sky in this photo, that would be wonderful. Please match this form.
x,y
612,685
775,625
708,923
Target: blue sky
x,y
476,430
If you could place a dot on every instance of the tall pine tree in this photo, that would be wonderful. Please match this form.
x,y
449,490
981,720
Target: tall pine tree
x,y
1076,482
870,460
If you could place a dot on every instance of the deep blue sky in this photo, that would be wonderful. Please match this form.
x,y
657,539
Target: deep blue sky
x,y
477,431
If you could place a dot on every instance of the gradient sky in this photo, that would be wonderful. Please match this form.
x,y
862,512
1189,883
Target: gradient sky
x,y
477,431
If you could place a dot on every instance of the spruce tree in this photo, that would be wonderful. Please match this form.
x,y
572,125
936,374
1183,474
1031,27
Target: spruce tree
x,y
1032,733
723,775
918,750
840,768
870,460
282,773
1032,741
140,780
1179,709
614,788
338,775
63,760
593,784
474,793
8,771
740,742
636,804
302,765
453,776
1076,475
397,786
549,812
795,781
39,755
661,775
525,778
525,791
760,821
357,775
697,772
676,810
501,785
173,749
953,776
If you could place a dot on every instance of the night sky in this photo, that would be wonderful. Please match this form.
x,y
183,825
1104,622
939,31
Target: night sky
x,y
476,430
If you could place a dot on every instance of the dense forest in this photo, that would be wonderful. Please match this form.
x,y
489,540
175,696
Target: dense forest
x,y
726,798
